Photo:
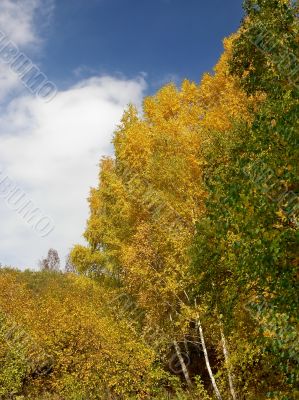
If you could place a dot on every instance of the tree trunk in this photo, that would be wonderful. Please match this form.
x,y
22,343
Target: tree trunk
x,y
182,362
226,358
202,339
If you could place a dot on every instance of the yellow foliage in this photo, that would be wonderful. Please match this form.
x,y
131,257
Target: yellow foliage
x,y
63,338
143,213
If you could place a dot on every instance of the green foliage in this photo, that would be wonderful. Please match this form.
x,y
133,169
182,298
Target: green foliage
x,y
246,250
265,54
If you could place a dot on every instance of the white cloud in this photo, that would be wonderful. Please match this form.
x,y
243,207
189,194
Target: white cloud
x,y
8,81
52,151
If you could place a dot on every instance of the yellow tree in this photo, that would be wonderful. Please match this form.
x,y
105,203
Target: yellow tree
x,y
59,336
150,195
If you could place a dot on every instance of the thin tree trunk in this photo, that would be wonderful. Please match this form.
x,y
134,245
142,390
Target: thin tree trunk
x,y
202,339
226,358
182,362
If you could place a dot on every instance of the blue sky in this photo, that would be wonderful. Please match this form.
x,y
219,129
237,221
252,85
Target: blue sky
x,y
162,38
101,55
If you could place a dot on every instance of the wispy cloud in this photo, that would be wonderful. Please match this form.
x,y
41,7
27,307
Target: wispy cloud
x,y
18,24
18,17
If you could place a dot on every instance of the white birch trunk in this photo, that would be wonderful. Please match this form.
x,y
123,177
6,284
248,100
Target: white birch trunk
x,y
202,339
226,358
182,362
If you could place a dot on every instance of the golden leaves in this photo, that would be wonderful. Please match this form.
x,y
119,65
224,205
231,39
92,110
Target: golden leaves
x,y
72,321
